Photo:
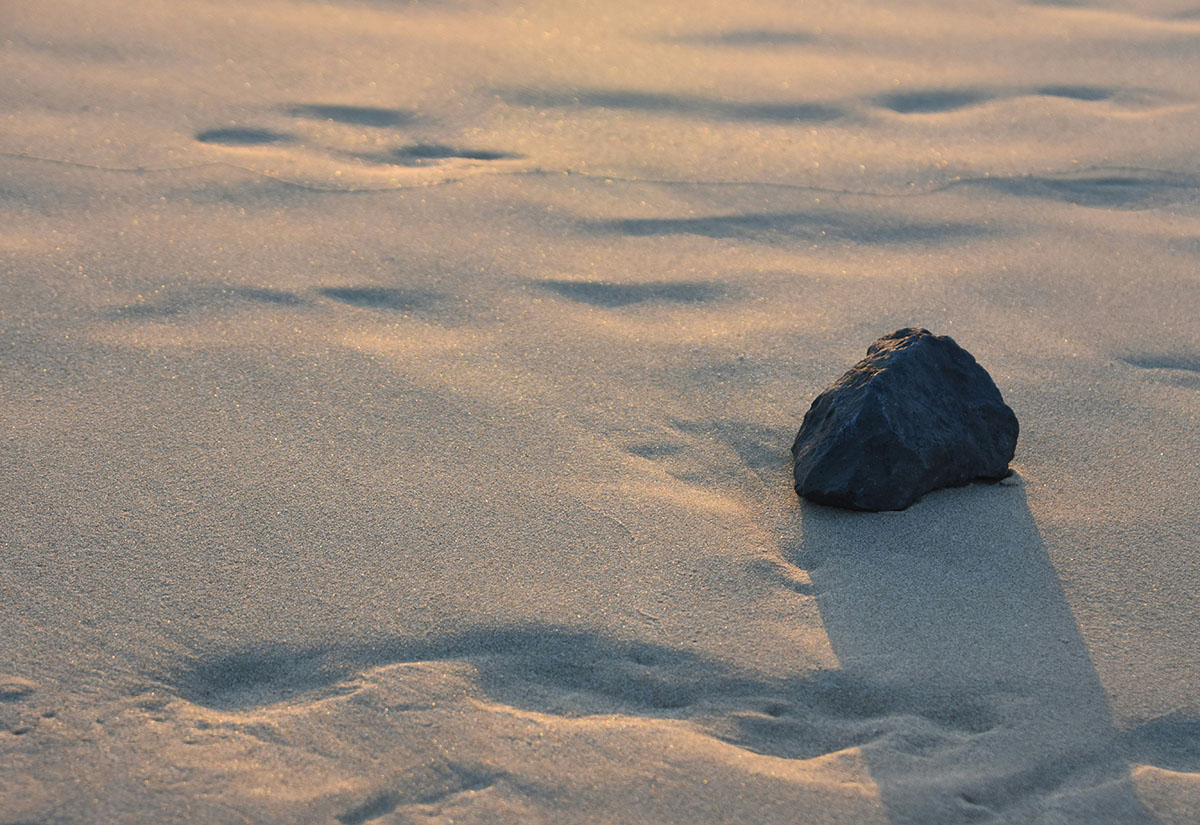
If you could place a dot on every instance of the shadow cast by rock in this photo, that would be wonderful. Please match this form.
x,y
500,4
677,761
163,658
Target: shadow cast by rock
x,y
956,595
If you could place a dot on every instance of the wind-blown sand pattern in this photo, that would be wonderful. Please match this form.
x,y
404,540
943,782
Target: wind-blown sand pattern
x,y
397,401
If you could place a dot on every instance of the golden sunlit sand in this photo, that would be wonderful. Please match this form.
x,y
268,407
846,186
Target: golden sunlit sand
x,y
397,401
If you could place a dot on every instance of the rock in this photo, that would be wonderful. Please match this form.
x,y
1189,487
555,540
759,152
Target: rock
x,y
918,413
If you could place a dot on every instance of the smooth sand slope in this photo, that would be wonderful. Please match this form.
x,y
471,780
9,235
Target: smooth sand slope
x,y
397,401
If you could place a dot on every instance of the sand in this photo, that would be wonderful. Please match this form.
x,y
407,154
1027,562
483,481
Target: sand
x,y
397,401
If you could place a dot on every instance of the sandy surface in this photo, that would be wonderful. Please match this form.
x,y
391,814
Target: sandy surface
x,y
396,403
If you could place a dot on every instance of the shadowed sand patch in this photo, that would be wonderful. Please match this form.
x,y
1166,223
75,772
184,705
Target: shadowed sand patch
x,y
381,297
190,299
1180,362
1087,93
1171,742
1182,18
324,164
558,672
1176,369
1173,796
685,105
235,136
753,38
353,115
421,153
650,450
499,760
933,100
1187,378
445,781
15,688
615,674
614,295
816,226
789,576
1118,188
946,100
262,677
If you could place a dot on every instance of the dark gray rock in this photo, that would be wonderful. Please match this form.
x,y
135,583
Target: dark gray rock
x,y
918,413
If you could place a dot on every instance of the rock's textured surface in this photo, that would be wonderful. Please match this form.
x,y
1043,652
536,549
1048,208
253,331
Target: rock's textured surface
x,y
918,413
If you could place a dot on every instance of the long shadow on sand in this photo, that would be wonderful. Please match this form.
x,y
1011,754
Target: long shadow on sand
x,y
956,598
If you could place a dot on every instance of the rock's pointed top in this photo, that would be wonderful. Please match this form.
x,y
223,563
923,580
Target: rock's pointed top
x,y
902,338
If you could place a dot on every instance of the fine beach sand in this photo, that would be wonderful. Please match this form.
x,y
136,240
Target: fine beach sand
x,y
396,403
